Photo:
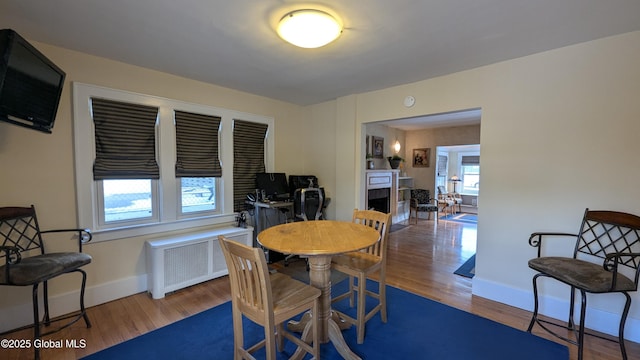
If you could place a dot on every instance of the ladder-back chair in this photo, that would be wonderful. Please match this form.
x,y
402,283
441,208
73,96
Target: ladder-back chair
x,y
360,265
268,300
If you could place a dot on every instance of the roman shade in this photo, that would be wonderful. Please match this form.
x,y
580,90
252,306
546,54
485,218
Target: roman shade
x,y
197,145
248,158
442,165
125,140
470,160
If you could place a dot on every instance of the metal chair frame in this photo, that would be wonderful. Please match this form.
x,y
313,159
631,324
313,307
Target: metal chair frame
x,y
20,233
611,236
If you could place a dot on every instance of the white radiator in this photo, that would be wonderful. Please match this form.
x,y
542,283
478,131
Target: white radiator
x,y
179,261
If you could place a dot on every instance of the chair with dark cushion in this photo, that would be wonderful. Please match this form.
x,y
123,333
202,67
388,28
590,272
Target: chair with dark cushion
x,y
421,201
613,239
22,238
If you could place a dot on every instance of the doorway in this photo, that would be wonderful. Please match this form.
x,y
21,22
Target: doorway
x,y
458,170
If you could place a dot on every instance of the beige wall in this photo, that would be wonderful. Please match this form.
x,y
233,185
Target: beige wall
x,y
432,138
38,168
559,134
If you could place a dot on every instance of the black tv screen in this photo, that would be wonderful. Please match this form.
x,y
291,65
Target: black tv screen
x,y
274,185
30,84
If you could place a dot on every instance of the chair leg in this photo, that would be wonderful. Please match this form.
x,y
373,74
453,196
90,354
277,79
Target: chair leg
x,y
280,337
351,288
82,308
362,297
270,341
316,330
583,310
382,294
238,338
45,300
534,316
623,320
570,322
36,320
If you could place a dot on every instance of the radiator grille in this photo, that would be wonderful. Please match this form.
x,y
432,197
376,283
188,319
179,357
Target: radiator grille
x,y
185,263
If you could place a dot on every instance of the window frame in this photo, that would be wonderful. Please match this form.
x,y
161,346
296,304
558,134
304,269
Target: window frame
x,y
462,174
101,216
189,214
170,216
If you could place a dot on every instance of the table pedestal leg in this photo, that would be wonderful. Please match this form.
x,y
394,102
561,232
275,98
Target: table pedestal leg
x,y
320,277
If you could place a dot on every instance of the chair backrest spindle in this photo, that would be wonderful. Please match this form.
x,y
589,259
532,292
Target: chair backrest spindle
x,y
19,228
607,232
377,220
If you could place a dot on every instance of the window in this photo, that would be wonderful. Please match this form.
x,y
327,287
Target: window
x,y
125,200
146,164
197,194
197,160
470,170
248,149
125,161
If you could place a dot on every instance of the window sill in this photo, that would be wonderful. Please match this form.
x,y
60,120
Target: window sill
x,y
156,228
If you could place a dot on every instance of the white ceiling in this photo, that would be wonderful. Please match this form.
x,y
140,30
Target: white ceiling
x,y
232,43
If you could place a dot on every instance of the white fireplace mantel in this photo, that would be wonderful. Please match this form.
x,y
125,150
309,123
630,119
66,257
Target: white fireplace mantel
x,y
381,179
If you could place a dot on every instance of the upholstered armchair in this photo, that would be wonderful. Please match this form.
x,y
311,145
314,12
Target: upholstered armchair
x,y
421,201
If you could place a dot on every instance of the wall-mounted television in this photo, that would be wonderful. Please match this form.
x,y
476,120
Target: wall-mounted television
x,y
30,84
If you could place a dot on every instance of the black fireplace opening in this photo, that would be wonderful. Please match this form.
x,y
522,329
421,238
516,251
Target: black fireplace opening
x,y
379,199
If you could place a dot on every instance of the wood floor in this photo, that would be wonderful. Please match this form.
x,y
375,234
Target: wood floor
x,y
422,259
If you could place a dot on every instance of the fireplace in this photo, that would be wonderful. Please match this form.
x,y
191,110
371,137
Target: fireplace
x,y
379,199
381,189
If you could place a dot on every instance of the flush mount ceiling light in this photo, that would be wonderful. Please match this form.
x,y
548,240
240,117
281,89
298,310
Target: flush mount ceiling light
x,y
309,28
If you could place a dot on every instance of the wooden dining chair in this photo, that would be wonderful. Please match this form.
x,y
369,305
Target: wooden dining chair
x,y
268,300
360,265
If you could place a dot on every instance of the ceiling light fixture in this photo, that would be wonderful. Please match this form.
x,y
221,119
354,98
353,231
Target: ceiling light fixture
x,y
309,28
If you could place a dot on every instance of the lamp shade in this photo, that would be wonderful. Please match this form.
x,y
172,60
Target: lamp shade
x,y
309,28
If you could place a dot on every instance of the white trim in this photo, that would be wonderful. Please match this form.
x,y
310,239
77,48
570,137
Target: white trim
x,y
22,314
556,308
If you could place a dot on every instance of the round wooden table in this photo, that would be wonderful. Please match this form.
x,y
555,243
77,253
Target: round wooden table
x,y
319,240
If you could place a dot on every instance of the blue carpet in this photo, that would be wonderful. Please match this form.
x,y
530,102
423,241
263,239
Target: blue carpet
x,y
468,269
461,218
417,328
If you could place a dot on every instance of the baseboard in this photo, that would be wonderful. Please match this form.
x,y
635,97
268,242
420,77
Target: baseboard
x,y
22,314
556,308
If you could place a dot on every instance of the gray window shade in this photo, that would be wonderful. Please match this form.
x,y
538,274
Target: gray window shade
x,y
442,165
197,145
125,140
470,160
248,159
